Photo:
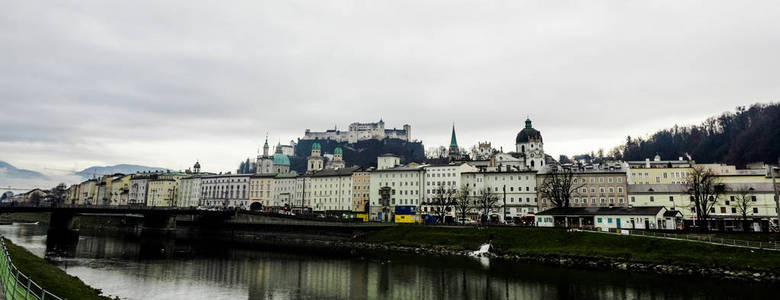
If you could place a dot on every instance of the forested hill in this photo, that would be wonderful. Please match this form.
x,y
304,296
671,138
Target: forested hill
x,y
362,153
745,136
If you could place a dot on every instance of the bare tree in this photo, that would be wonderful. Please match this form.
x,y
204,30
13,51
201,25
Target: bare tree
x,y
705,189
558,186
35,198
58,193
744,202
463,202
443,201
486,202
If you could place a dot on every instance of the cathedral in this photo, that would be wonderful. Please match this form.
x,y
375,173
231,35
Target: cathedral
x,y
269,164
529,151
529,143
338,159
315,161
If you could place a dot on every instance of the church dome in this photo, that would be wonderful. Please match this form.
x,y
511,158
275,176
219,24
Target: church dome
x,y
281,159
528,134
338,151
316,146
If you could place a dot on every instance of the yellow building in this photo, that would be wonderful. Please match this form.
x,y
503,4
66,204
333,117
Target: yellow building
x,y
162,192
72,194
87,192
596,187
361,189
119,190
261,191
725,214
658,171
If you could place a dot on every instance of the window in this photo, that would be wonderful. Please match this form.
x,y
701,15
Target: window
x,y
755,210
753,198
609,220
633,199
652,198
671,198
598,220
733,210
723,210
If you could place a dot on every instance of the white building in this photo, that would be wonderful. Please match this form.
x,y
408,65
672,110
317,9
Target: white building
x,y
360,132
518,188
445,175
404,185
529,152
387,161
284,190
606,218
138,185
331,190
189,192
226,191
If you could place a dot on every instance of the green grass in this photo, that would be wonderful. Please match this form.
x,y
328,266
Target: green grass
x,y
43,218
539,241
50,277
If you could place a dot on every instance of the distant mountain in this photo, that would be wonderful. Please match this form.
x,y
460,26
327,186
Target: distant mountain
x,y
123,168
9,171
745,136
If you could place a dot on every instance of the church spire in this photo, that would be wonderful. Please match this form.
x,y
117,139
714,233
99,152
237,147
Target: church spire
x,y
453,140
265,146
454,153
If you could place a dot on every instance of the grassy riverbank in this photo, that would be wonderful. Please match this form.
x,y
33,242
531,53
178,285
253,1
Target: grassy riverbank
x,y
50,277
538,241
40,217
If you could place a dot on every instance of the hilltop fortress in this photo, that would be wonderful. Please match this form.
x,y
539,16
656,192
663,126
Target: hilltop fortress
x,y
361,132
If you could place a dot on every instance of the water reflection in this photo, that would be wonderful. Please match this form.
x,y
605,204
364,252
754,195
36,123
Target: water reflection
x,y
154,268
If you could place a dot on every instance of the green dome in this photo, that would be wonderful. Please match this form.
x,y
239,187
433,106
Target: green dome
x,y
281,159
316,146
338,151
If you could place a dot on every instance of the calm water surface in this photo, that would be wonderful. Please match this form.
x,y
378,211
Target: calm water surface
x,y
151,268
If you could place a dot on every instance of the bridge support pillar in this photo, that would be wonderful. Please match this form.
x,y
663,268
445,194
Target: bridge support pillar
x,y
159,223
63,229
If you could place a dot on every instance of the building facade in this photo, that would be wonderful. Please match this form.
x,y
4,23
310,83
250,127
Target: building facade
x,y
261,191
360,132
189,192
331,190
361,189
515,190
226,191
597,186
396,186
284,190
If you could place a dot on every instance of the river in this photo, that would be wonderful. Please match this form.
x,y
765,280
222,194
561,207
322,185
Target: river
x,y
130,267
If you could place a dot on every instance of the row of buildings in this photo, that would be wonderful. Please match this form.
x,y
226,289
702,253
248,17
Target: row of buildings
x,y
513,177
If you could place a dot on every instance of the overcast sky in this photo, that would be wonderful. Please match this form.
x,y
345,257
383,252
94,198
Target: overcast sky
x,y
86,83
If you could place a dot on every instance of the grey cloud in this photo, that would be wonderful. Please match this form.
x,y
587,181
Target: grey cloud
x,y
129,76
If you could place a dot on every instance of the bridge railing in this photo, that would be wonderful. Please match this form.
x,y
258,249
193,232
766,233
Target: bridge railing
x,y
17,285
